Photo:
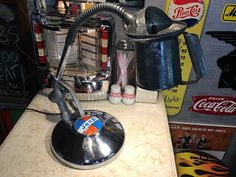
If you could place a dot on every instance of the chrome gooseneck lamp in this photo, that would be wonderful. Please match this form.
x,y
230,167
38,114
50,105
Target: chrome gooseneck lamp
x,y
91,139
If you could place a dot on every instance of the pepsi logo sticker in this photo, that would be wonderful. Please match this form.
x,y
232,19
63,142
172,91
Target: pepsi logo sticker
x,y
189,11
88,125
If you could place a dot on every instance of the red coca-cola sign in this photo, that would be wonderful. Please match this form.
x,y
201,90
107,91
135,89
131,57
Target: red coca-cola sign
x,y
214,105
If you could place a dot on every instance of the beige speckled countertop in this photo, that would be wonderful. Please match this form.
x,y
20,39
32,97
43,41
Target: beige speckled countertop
x,y
147,151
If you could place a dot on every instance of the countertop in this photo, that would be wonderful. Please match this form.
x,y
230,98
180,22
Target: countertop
x,y
147,151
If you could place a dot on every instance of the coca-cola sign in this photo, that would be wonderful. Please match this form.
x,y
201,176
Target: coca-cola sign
x,y
189,11
214,105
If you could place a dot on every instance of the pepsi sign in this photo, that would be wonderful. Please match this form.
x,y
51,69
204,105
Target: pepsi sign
x,y
188,11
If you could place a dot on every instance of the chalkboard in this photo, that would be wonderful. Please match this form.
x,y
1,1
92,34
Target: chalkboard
x,y
17,67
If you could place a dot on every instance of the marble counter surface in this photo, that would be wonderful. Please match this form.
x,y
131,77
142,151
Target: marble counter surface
x,y
147,151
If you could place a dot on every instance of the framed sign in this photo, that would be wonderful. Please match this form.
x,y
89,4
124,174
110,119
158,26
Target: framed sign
x,y
18,78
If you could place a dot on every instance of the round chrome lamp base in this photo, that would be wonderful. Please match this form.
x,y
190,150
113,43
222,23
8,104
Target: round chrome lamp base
x,y
95,140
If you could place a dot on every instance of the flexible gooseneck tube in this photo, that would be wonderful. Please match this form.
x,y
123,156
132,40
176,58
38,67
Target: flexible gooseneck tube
x,y
57,95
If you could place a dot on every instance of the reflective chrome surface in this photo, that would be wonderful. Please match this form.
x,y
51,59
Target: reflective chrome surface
x,y
95,140
87,85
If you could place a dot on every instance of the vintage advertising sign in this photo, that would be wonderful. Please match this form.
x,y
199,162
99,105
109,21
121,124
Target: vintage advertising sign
x,y
201,137
189,11
193,12
229,13
211,139
214,105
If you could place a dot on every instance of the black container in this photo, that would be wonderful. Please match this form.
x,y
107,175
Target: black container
x,y
158,64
